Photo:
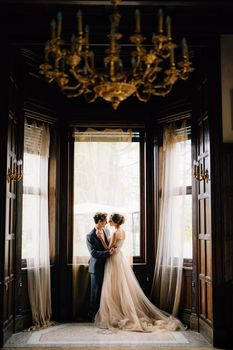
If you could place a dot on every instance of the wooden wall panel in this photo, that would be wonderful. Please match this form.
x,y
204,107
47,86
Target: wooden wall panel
x,y
227,236
202,296
187,290
208,259
201,216
209,306
9,258
204,224
202,257
208,219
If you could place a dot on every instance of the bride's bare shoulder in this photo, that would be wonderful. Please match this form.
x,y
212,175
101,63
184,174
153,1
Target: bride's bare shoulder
x,y
121,234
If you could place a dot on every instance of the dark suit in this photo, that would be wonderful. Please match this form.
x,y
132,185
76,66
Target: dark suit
x,y
96,268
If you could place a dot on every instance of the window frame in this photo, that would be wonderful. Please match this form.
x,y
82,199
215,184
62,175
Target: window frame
x,y
187,262
141,259
52,176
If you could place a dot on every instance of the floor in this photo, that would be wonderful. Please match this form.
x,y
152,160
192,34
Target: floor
x,y
87,336
117,348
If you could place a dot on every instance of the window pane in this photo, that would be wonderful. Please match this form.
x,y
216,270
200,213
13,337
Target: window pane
x,y
31,170
188,244
31,201
187,222
106,178
186,161
30,220
184,168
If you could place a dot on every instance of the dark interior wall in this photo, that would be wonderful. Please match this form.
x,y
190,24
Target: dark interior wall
x,y
25,28
3,171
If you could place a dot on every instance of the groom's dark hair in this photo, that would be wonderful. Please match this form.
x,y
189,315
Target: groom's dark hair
x,y
100,216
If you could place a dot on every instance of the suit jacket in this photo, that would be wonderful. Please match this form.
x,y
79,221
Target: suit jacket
x,y
97,251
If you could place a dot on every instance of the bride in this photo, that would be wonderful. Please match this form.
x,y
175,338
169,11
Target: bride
x,y
123,304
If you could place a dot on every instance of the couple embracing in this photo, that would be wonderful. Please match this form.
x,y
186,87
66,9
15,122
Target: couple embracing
x,y
116,298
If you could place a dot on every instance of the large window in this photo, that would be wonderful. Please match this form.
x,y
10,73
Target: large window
x,y
175,219
188,197
106,178
31,202
35,191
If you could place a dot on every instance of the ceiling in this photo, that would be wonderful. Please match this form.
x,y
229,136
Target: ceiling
x,y
26,23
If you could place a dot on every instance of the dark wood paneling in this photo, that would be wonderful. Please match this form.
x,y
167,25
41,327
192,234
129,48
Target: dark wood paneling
x,y
202,230
186,296
222,337
3,171
204,227
10,223
227,205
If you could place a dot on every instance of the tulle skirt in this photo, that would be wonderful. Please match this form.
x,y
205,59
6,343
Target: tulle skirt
x,y
123,304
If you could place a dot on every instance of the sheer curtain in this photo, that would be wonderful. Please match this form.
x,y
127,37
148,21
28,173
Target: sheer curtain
x,y
166,287
35,222
106,178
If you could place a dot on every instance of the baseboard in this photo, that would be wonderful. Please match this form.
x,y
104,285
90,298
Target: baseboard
x,y
206,330
194,323
7,332
22,322
185,318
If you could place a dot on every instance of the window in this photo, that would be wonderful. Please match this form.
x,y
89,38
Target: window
x,y
188,197
35,191
106,178
31,202
188,207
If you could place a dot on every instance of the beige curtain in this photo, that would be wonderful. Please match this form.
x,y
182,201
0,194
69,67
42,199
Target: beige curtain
x,y
35,222
103,169
166,287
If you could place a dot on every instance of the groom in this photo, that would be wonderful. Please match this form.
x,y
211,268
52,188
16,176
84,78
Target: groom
x,y
97,260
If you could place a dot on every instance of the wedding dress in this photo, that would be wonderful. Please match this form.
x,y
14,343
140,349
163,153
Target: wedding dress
x,y
123,304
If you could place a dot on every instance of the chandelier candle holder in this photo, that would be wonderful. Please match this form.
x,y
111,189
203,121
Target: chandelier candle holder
x,y
153,70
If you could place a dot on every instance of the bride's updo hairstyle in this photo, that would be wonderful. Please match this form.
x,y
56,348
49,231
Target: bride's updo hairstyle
x,y
117,218
99,216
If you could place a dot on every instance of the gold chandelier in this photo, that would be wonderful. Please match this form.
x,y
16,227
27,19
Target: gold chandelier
x,y
152,71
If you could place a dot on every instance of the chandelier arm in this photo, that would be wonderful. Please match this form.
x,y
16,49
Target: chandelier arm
x,y
137,66
142,98
82,79
161,90
88,99
151,73
70,87
75,75
185,69
172,78
153,76
49,75
73,95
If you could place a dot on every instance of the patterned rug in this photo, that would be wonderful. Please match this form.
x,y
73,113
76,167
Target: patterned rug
x,y
86,334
